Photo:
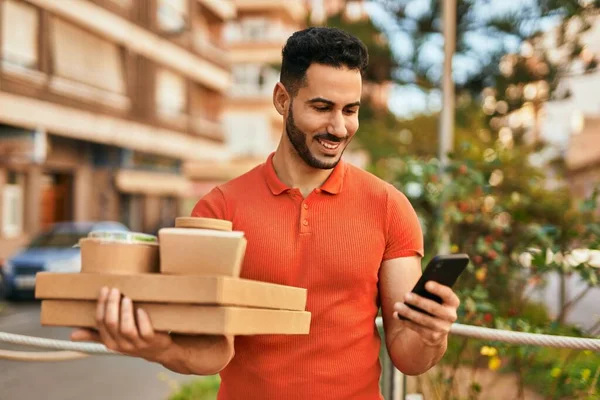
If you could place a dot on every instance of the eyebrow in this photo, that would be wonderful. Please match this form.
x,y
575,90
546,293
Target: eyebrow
x,y
331,103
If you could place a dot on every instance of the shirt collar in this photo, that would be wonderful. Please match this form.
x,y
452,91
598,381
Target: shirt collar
x,y
333,184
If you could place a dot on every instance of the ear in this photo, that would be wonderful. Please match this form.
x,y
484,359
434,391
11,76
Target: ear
x,y
281,98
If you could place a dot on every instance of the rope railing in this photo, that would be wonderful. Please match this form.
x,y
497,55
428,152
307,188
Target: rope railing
x,y
75,350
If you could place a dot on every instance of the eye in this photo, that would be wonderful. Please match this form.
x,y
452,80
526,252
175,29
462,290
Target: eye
x,y
351,111
322,109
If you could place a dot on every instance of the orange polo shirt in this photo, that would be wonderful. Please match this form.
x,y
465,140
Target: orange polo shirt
x,y
332,243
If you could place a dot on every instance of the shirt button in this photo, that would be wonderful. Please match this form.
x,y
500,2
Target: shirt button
x,y
305,206
305,222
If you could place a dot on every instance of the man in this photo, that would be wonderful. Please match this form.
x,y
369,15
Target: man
x,y
312,221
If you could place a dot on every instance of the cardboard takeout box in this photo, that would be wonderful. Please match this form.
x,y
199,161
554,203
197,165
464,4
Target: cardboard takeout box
x,y
160,288
188,251
186,318
102,256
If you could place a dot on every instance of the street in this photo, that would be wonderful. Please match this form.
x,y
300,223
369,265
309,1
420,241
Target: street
x,y
95,377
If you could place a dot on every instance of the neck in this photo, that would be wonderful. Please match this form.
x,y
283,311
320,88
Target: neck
x,y
294,172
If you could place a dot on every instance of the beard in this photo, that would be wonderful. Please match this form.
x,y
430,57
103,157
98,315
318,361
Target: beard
x,y
298,140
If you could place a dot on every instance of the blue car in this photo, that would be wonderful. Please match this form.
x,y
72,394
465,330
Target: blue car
x,y
51,251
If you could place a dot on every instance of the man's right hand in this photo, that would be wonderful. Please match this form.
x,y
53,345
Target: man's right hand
x,y
124,330
119,330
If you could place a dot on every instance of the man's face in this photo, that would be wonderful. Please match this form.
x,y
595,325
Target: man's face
x,y
323,116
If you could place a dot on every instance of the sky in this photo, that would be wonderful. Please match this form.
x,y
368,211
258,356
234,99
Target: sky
x,y
407,101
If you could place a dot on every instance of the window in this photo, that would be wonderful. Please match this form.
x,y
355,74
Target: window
x,y
254,79
20,24
170,93
255,28
232,32
248,134
12,208
172,15
85,58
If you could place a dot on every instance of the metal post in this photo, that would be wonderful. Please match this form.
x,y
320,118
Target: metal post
x,y
446,128
399,387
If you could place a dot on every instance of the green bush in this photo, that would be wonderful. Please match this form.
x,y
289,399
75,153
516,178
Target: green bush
x,y
205,388
565,374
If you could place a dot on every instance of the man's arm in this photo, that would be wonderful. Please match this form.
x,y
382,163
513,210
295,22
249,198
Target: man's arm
x,y
122,331
418,344
198,355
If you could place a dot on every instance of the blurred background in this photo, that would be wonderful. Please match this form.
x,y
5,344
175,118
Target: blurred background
x,y
123,113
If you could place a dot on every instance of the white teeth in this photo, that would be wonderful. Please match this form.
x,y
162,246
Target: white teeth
x,y
329,146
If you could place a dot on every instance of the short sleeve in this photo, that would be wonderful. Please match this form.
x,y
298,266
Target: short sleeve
x,y
212,205
404,236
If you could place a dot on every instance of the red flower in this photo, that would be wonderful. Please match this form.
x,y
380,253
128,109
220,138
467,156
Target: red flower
x,y
488,317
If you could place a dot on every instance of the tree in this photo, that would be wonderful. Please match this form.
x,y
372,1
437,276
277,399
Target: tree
x,y
485,33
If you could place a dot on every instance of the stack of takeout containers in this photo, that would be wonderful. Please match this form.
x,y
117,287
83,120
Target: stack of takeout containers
x,y
187,280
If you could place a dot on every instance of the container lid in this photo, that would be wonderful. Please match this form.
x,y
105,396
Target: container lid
x,y
123,237
203,223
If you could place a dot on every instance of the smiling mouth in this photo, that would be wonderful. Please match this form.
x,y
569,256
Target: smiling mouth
x,y
328,144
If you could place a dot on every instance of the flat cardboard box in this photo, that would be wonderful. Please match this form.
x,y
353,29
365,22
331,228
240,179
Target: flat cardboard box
x,y
161,288
186,251
186,319
118,258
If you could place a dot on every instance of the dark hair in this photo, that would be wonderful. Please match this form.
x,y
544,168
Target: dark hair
x,y
320,45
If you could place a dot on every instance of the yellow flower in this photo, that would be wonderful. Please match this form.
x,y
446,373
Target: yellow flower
x,y
555,373
488,351
585,374
480,274
454,248
494,363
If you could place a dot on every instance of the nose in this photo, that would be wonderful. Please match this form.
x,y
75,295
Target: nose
x,y
337,125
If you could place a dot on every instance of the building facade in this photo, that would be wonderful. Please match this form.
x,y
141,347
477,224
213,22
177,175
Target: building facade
x,y
573,123
252,125
101,104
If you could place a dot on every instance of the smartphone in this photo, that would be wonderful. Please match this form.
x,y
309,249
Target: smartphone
x,y
443,269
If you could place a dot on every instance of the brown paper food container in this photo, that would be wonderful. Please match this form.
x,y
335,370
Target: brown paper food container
x,y
186,318
98,256
161,288
201,246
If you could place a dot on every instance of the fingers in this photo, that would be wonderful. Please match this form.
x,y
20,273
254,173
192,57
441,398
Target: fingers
x,y
426,321
120,330
111,313
441,311
429,337
144,325
108,316
127,327
85,335
449,298
107,339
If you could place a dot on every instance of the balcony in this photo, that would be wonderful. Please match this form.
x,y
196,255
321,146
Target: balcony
x,y
257,40
294,10
124,33
224,9
208,128
251,91
211,51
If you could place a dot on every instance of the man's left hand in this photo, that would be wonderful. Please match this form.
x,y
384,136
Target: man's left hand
x,y
434,329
